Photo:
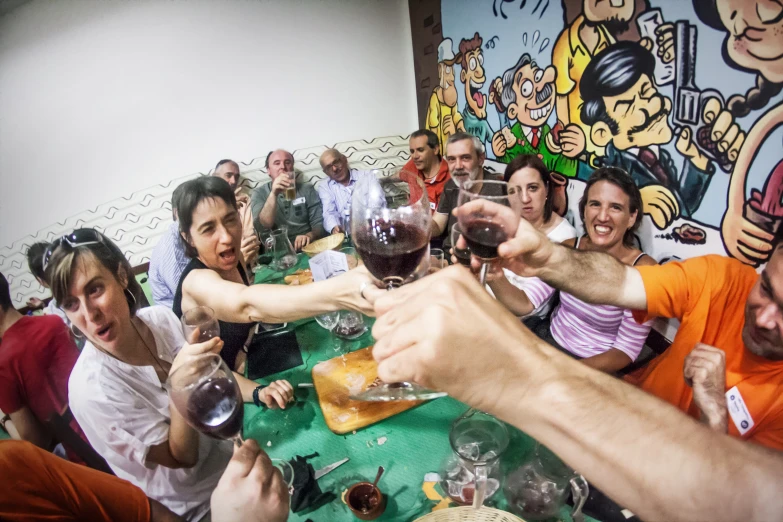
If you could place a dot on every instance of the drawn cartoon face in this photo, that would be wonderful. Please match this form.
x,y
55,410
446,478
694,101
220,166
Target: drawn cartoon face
x,y
755,35
640,118
535,95
446,74
612,11
473,77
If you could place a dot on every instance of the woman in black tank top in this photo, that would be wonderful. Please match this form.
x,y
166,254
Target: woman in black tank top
x,y
212,231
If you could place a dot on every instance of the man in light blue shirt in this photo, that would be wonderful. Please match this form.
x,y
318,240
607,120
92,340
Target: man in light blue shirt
x,y
335,192
168,260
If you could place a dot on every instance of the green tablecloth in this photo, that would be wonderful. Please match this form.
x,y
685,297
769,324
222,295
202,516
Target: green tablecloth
x,y
416,440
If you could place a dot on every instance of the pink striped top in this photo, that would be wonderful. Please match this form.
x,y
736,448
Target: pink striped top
x,y
586,329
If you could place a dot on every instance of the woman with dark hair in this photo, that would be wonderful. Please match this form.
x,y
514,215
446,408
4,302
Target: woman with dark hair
x,y
116,388
209,224
604,337
530,186
754,43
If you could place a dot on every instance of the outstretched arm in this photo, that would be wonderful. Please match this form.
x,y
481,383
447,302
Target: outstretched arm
x,y
642,452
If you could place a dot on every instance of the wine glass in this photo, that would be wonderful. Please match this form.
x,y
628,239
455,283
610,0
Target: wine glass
x,y
391,231
482,233
329,322
390,220
201,319
462,254
207,395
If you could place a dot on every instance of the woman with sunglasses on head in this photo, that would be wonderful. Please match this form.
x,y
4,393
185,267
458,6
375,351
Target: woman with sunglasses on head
x,y
530,190
116,389
210,227
604,337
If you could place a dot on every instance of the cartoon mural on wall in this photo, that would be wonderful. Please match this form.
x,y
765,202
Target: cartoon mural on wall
x,y
443,118
684,96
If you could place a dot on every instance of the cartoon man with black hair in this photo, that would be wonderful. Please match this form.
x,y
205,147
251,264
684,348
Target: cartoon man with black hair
x,y
627,115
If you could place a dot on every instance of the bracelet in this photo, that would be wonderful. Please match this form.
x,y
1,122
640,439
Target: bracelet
x,y
256,400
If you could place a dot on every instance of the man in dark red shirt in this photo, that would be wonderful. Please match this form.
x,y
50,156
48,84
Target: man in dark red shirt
x,y
37,355
427,162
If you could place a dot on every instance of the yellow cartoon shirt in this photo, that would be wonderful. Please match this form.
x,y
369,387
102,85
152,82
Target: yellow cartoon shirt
x,y
436,111
570,57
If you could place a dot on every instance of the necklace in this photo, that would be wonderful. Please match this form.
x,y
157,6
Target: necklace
x,y
154,357
157,362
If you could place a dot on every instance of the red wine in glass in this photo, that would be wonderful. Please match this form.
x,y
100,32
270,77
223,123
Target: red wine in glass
x,y
214,408
391,250
484,237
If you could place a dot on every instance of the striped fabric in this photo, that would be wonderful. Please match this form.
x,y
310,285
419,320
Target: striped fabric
x,y
586,329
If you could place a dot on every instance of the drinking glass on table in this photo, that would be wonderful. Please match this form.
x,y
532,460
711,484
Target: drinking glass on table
x,y
203,320
482,233
329,322
207,395
390,219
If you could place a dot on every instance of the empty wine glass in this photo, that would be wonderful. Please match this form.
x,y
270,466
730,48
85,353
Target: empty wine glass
x,y
391,230
203,320
437,260
207,395
482,233
329,322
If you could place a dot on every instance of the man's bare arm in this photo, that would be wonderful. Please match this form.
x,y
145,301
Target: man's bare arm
x,y
642,452
30,428
439,222
590,276
267,214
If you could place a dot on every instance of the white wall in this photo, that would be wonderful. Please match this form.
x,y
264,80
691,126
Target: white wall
x,y
100,98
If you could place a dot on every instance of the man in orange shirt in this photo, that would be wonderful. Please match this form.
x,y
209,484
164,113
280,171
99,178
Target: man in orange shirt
x,y
725,365
427,162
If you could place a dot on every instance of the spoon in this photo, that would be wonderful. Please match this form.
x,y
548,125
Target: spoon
x,y
378,476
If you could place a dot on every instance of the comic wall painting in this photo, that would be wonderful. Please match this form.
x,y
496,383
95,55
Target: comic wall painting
x,y
683,95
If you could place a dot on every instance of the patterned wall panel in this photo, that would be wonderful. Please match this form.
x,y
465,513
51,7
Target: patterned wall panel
x,y
135,222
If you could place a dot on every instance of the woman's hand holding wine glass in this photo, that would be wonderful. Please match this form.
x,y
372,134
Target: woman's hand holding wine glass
x,y
194,350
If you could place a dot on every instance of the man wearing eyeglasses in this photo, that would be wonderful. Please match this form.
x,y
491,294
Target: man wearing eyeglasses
x,y
336,191
285,202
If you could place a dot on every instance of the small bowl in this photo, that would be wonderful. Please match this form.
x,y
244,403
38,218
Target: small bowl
x,y
365,495
322,245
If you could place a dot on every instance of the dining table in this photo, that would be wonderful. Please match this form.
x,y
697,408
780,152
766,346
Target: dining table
x,y
411,446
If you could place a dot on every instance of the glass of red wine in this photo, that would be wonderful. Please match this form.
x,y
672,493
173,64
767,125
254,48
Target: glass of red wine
x,y
207,395
203,320
482,233
390,222
462,254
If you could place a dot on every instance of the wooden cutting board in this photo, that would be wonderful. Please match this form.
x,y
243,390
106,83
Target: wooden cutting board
x,y
337,379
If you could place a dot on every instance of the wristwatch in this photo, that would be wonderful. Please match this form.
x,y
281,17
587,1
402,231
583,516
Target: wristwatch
x,y
256,400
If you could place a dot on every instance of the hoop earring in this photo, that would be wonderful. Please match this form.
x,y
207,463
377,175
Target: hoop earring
x,y
132,296
74,333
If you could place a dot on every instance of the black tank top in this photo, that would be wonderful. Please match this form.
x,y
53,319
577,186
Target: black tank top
x,y
233,335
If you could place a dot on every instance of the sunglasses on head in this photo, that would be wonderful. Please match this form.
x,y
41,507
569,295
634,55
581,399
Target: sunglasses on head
x,y
77,238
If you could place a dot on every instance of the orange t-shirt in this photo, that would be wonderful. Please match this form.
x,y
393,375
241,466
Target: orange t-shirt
x,y
708,295
434,186
38,485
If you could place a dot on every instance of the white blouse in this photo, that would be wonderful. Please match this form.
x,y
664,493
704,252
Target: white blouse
x,y
124,411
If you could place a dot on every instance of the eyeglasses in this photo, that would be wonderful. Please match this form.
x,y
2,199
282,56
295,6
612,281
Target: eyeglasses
x,y
77,238
332,165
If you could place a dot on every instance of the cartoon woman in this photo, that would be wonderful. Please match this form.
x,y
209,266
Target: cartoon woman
x,y
754,43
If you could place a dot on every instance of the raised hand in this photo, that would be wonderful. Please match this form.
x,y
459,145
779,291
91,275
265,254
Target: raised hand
x,y
251,489
705,372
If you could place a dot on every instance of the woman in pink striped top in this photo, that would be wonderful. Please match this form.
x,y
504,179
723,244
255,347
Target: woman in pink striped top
x,y
604,337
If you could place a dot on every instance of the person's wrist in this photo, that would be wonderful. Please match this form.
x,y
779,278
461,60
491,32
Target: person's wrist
x,y
256,395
